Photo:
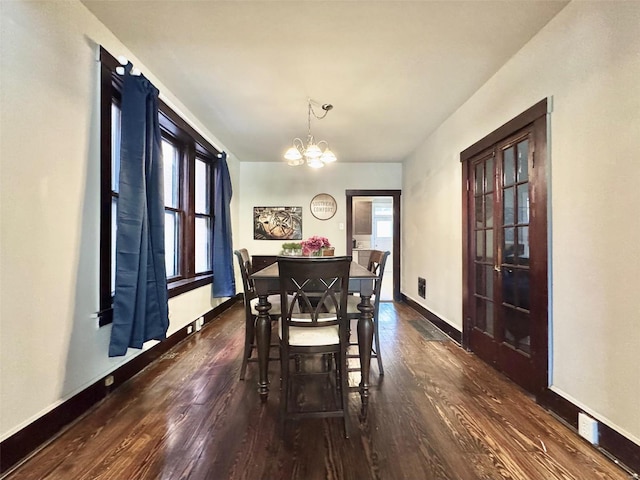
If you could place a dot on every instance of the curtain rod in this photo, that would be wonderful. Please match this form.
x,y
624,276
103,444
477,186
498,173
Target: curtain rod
x,y
122,60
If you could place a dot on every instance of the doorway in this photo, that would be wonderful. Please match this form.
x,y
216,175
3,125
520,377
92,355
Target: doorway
x,y
505,308
373,222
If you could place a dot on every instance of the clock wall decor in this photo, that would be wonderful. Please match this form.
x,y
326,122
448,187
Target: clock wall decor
x,y
323,206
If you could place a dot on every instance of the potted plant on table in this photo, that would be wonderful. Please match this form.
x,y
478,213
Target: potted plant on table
x,y
292,248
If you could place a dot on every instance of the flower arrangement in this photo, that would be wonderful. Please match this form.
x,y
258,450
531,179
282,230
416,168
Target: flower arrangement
x,y
313,245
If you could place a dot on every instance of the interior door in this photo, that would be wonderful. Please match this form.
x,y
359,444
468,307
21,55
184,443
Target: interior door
x,y
382,239
378,232
505,308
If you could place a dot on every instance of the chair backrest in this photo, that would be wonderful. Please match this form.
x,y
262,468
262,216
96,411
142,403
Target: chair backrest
x,y
377,262
244,260
311,283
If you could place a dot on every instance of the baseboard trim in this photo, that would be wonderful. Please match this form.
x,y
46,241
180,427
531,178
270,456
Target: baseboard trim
x,y
614,445
452,332
22,444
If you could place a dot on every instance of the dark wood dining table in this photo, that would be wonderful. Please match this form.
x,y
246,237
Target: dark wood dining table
x,y
361,280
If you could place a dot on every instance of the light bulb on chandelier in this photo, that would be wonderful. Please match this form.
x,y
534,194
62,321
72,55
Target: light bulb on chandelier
x,y
315,155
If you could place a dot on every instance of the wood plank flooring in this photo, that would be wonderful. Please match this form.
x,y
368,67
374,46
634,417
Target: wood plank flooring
x,y
438,413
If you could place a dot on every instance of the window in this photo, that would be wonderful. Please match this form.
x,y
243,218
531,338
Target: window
x,y
188,162
204,217
172,207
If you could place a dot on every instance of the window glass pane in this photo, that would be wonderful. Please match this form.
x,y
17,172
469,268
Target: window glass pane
x,y
508,245
479,179
479,244
203,244
523,161
171,167
116,125
114,231
202,187
481,321
379,211
508,168
488,205
479,212
508,202
489,277
523,203
490,244
517,329
523,245
481,286
523,289
171,243
490,172
384,228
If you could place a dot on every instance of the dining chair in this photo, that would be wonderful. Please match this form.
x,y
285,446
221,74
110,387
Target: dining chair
x,y
377,262
250,312
309,284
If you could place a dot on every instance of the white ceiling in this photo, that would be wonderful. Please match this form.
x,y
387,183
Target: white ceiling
x,y
393,70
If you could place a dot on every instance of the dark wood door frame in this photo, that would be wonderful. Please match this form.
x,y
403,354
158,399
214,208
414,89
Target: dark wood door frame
x,y
396,228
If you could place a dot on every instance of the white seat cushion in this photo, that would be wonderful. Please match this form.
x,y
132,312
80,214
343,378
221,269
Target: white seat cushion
x,y
312,336
274,300
352,304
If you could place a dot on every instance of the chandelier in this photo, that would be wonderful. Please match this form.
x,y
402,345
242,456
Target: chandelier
x,y
316,155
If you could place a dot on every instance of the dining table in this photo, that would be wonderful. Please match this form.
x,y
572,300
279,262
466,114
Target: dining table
x,y
361,281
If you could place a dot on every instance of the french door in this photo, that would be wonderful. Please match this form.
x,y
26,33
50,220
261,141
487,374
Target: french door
x,y
505,273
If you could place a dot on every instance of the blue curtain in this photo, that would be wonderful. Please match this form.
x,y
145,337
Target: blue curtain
x,y
140,310
224,283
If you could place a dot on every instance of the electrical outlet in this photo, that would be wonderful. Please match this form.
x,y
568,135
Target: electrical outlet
x,y
588,428
199,323
422,287
108,380
189,329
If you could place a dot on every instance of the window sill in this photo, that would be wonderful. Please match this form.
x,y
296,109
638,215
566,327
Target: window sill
x,y
182,286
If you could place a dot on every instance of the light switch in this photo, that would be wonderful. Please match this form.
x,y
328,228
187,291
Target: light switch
x,y
341,226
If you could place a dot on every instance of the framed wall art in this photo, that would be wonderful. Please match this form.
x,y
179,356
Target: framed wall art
x,y
277,223
323,206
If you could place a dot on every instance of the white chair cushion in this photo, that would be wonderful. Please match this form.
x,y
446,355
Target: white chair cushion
x,y
274,300
352,304
312,336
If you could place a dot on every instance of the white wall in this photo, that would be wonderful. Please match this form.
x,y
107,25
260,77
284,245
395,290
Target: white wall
x,y
588,60
267,184
50,347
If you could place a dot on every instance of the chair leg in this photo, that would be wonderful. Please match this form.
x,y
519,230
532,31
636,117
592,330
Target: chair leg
x,y
376,339
341,370
249,337
285,391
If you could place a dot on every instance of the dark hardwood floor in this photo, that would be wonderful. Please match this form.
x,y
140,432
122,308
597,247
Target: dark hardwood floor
x,y
438,413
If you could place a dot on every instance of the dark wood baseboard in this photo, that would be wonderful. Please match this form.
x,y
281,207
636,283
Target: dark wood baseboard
x,y
23,443
622,450
452,332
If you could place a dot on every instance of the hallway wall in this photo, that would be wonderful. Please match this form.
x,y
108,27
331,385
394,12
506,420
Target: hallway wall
x,y
587,61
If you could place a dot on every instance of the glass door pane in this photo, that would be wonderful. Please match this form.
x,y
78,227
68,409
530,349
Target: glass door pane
x,y
483,265
515,324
